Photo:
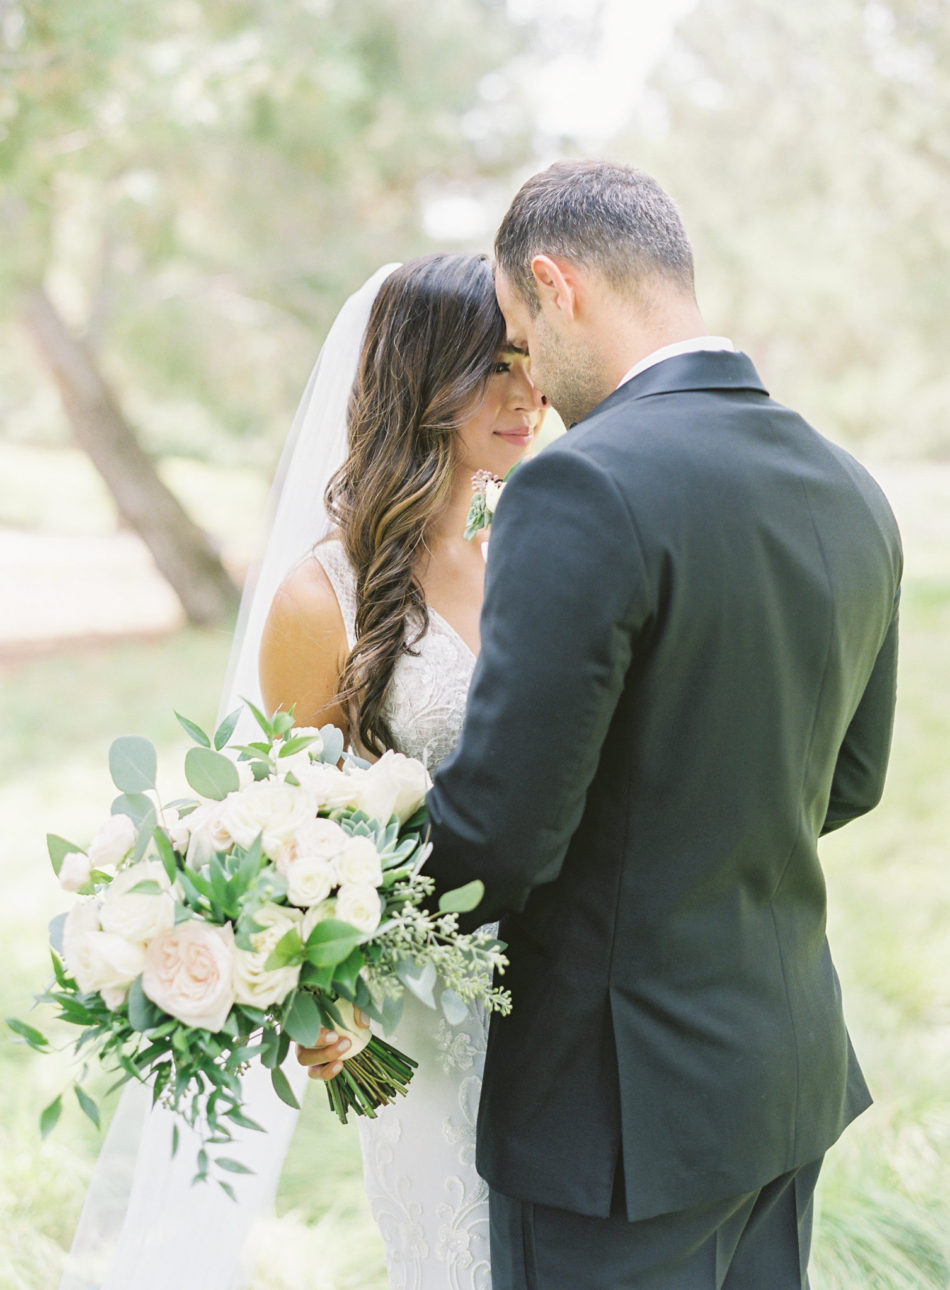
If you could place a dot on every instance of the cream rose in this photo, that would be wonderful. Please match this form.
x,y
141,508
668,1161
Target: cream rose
x,y
330,786
322,839
189,973
205,834
254,984
74,871
96,959
394,785
112,843
310,880
134,915
272,808
359,862
359,905
493,490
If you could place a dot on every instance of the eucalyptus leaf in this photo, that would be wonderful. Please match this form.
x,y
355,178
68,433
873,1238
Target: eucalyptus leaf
x,y
228,1190
289,949
282,1088
463,899
232,1166
56,926
88,1105
139,808
133,764
226,729
420,980
210,773
49,1117
29,1034
193,731
331,942
453,1007
303,1021
58,848
143,1014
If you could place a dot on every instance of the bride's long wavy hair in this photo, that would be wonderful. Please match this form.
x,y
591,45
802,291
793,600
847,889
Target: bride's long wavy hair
x,y
431,345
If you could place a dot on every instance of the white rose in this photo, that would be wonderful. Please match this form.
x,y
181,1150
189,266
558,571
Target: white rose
x,y
255,985
178,830
189,973
96,959
205,834
113,996
394,785
138,916
270,807
330,786
493,490
309,880
359,862
319,838
74,871
112,843
359,905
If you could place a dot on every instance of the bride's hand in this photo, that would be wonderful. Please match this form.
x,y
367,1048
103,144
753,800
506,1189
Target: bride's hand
x,y
324,1059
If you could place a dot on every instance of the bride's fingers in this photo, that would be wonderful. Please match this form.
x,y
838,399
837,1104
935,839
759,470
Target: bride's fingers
x,y
324,1058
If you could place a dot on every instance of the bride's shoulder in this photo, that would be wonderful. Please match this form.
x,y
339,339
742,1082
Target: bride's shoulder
x,y
308,595
304,647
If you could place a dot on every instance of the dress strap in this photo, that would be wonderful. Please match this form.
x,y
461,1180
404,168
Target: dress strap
x,y
338,569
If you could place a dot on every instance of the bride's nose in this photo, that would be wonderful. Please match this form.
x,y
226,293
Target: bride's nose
x,y
526,396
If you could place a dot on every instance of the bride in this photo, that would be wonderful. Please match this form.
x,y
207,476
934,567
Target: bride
x,y
377,631
375,628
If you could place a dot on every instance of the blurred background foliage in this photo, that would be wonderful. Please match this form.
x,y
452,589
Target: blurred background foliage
x,y
194,187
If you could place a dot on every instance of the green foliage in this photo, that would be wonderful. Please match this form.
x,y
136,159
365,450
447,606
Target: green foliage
x,y
209,181
809,151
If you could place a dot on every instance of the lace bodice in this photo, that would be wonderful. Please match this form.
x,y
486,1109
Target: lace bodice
x,y
426,702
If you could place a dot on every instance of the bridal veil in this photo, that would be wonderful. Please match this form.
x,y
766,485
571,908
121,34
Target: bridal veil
x,y
144,1224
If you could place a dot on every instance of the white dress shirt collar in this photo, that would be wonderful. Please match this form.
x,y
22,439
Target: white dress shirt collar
x,y
694,345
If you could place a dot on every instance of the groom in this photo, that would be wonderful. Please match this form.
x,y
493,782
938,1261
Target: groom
x,y
687,675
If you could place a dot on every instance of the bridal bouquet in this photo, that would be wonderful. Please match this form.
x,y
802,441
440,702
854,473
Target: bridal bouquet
x,y
213,931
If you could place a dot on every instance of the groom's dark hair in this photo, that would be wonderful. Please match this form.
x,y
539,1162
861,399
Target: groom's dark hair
x,y
615,219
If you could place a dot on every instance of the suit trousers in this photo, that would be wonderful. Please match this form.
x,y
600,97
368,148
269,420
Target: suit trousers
x,y
756,1241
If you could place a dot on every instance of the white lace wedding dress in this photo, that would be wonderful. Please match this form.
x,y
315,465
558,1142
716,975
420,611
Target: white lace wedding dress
x,y
419,1154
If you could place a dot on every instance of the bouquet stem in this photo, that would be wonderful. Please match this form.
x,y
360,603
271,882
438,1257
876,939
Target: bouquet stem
x,y
370,1080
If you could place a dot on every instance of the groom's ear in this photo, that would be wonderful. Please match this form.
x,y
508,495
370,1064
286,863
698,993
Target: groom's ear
x,y
556,283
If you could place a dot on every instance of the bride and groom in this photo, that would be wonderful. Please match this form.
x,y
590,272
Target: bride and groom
x,y
685,674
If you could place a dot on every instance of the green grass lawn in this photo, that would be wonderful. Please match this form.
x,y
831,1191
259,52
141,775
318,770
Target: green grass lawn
x,y
885,1198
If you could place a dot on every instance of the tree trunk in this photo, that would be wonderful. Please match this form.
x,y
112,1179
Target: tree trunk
x,y
182,551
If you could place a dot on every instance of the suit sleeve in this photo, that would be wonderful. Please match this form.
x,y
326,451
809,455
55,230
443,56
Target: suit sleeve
x,y
858,780
565,594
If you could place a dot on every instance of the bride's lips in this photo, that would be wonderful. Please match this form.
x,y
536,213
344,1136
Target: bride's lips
x,y
521,437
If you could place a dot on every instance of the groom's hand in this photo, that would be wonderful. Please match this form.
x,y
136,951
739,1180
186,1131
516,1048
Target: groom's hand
x,y
324,1059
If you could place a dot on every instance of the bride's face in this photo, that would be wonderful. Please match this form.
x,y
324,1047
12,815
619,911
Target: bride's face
x,y
505,424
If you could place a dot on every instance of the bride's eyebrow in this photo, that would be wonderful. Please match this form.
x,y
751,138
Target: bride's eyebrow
x,y
517,351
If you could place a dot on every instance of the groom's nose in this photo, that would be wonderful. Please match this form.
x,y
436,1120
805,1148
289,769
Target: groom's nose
x,y
527,397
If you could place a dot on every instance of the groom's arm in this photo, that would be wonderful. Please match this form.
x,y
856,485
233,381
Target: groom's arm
x,y
566,591
858,780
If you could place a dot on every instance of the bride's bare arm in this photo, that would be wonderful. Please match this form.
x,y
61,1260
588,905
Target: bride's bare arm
x,y
304,648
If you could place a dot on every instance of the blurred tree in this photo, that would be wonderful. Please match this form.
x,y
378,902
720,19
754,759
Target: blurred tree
x,y
809,147
191,188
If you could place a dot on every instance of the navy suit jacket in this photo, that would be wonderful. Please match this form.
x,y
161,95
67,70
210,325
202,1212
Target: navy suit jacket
x,y
687,674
